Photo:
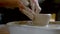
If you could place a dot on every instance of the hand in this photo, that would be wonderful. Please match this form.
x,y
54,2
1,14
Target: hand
x,y
27,11
35,6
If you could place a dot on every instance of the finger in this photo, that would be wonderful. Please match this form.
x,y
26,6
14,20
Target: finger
x,y
37,7
28,14
32,4
26,10
25,2
20,4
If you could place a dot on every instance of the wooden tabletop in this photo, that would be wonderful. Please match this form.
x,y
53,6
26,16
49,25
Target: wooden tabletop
x,y
3,30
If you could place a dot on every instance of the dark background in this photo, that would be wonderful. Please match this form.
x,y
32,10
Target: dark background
x,y
48,7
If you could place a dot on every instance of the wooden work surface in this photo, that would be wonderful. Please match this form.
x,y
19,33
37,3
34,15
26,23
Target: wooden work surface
x,y
3,30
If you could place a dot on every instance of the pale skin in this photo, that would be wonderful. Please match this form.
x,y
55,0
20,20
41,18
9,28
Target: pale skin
x,y
30,12
26,10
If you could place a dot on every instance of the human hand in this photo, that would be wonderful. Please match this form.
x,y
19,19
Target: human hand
x,y
35,8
